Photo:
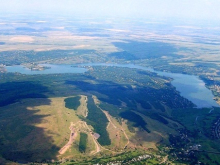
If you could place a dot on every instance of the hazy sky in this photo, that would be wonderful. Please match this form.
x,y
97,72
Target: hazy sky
x,y
202,9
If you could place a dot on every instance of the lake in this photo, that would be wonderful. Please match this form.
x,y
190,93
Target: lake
x,y
54,69
192,88
189,86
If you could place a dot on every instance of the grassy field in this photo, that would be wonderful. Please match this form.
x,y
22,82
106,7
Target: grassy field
x,y
82,110
41,125
83,142
116,134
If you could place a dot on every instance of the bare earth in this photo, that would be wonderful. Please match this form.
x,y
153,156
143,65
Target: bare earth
x,y
70,142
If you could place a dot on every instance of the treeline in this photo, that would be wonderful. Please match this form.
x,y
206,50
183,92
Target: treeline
x,y
97,119
135,120
72,102
83,142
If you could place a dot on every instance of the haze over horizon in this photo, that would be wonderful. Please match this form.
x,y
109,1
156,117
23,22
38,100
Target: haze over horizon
x,y
197,9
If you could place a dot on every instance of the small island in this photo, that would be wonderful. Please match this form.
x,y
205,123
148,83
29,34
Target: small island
x,y
36,67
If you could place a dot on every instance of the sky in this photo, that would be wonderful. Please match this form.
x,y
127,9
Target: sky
x,y
196,9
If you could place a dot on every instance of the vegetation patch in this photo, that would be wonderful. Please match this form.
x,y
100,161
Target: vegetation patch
x,y
135,119
123,55
97,119
141,50
83,142
72,102
157,105
22,56
131,157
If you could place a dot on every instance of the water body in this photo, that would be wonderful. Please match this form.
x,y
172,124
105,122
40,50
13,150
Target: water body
x,y
189,86
192,88
54,69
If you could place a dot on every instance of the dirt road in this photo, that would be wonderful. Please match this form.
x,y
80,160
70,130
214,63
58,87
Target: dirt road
x,y
71,140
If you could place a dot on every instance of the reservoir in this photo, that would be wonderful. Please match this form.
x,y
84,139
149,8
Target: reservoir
x,y
189,86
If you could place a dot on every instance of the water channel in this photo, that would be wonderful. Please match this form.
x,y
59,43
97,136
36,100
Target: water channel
x,y
189,86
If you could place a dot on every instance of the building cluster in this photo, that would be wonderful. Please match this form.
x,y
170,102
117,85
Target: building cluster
x,y
140,158
136,159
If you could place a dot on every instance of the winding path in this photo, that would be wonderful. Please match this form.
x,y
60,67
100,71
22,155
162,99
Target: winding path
x,y
108,117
